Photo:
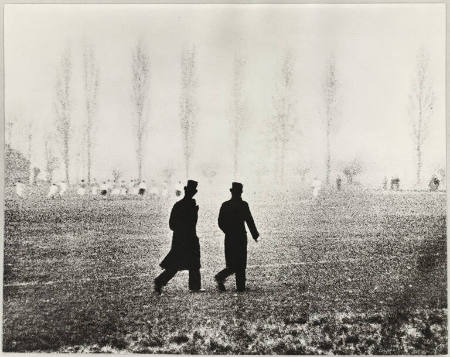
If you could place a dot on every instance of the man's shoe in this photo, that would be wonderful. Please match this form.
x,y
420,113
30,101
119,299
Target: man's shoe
x,y
157,288
197,290
220,284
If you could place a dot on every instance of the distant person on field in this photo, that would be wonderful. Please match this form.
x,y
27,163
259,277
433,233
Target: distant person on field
x,y
81,188
185,251
153,188
109,185
434,184
94,187
233,215
131,188
20,189
165,189
316,185
142,188
123,188
385,183
62,188
104,189
53,190
338,183
395,183
178,189
115,189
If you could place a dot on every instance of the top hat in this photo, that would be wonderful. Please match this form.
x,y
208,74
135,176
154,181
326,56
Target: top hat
x,y
191,186
236,187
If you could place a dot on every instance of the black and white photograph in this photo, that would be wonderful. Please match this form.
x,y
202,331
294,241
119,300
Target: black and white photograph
x,y
234,179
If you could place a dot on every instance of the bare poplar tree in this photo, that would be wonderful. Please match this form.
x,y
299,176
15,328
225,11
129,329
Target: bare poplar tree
x,y
63,108
187,105
330,92
421,102
29,151
140,85
51,161
238,107
9,125
91,82
284,118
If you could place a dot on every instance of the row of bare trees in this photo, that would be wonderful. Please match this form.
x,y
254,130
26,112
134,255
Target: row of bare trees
x,y
63,110
285,117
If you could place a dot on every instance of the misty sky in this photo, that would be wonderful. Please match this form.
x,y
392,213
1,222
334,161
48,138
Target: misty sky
x,y
375,48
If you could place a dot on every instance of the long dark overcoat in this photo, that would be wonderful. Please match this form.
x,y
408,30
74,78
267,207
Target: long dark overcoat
x,y
232,216
185,251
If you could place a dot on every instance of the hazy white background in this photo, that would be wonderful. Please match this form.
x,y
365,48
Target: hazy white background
x,y
375,48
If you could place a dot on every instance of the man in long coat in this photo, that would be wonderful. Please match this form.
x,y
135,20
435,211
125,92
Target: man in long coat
x,y
185,251
233,214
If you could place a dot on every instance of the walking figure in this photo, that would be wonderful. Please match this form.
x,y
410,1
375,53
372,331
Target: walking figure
x,y
338,183
185,251
385,183
233,214
316,185
53,191
395,183
434,183
142,188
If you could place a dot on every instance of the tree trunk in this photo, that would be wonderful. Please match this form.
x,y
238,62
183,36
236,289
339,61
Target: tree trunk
x,y
282,157
30,169
419,163
139,158
66,158
328,161
88,137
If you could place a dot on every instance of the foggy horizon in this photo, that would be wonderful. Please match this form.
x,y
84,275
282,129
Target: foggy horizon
x,y
374,46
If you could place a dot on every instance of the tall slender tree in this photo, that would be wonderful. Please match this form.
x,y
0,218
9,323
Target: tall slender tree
x,y
30,151
238,117
91,83
140,88
421,104
187,105
284,117
330,98
51,161
63,108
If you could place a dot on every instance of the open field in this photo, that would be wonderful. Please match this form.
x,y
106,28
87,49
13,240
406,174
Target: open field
x,y
354,272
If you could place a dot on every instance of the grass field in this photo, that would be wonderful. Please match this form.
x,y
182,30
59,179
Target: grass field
x,y
353,272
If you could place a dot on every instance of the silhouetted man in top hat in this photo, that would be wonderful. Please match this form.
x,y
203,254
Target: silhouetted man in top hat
x,y
233,214
185,251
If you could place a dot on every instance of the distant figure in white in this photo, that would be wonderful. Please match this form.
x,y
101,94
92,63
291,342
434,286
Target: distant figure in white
x,y
153,188
62,188
53,190
109,186
316,185
20,189
134,187
142,188
94,187
115,191
81,191
165,189
123,188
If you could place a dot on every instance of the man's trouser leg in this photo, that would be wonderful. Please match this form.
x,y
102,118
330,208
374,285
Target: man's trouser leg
x,y
164,277
223,274
195,282
240,279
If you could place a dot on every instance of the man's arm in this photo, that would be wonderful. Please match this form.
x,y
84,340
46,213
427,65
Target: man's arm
x,y
173,220
221,220
250,222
